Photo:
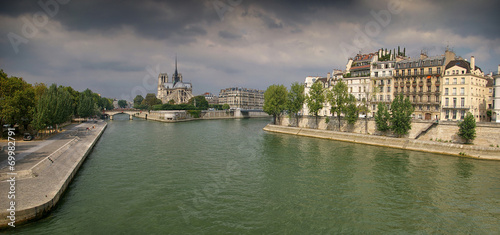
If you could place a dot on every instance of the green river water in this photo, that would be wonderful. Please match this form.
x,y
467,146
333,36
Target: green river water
x,y
231,177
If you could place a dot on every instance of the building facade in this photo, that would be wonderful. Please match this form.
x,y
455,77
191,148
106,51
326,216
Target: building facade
x,y
464,90
211,99
175,90
242,98
496,96
420,81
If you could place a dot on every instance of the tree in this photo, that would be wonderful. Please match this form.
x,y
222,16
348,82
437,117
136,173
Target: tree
x,y
138,100
199,102
151,100
401,110
86,105
382,118
122,103
351,110
17,100
275,101
295,100
467,128
339,99
225,107
54,107
315,99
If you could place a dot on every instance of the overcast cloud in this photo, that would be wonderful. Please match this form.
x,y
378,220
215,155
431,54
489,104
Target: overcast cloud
x,y
117,48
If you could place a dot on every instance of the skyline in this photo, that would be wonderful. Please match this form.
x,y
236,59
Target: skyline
x,y
118,48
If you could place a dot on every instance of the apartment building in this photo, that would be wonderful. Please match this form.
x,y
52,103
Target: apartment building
x,y
243,98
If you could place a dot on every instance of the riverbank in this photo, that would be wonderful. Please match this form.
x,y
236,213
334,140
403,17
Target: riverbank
x,y
173,116
391,142
43,173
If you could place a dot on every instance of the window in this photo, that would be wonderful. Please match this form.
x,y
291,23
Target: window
x,y
381,98
447,116
463,71
462,114
462,102
446,102
388,97
454,102
447,72
454,80
454,114
438,70
463,80
447,81
454,91
415,71
462,91
446,91
430,70
402,72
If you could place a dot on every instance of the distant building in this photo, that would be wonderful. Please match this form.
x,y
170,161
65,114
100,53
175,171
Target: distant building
x,y
211,99
243,98
496,96
464,90
174,90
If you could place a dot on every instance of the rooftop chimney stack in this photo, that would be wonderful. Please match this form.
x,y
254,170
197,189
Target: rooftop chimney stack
x,y
472,63
328,76
499,69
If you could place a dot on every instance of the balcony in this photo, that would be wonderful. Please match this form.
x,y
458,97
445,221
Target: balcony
x,y
437,83
456,107
408,84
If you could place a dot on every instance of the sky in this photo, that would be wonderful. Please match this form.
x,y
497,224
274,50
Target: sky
x,y
118,48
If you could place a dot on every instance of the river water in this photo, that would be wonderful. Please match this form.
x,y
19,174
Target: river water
x,y
231,177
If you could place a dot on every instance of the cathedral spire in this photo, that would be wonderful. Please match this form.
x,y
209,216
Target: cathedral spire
x,y
176,74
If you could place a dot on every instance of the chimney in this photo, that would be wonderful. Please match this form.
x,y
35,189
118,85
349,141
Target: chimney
x,y
499,69
472,63
328,76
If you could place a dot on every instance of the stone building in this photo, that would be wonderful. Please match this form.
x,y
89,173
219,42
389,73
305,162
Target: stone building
x,y
174,90
420,80
496,96
464,90
242,98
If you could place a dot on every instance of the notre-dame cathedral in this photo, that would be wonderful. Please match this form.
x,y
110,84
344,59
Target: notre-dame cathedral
x,y
175,89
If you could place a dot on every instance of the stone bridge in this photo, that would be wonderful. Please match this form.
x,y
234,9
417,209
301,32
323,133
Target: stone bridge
x,y
131,113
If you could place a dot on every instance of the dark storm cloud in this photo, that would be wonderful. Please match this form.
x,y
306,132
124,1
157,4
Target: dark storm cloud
x,y
155,19
228,35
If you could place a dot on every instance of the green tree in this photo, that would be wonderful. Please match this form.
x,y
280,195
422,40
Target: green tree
x,y
296,99
17,100
138,101
339,99
225,107
122,103
151,100
382,118
467,128
86,105
315,99
401,110
199,102
275,101
352,111
54,107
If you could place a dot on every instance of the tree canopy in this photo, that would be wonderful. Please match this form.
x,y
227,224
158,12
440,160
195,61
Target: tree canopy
x,y
401,110
467,128
275,100
382,117
17,100
122,103
296,99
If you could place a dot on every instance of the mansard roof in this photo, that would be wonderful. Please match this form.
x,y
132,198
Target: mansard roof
x,y
461,63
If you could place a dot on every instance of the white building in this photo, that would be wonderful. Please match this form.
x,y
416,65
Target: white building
x,y
496,97
309,81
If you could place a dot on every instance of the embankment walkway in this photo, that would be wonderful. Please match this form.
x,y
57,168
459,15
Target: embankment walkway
x,y
400,143
43,172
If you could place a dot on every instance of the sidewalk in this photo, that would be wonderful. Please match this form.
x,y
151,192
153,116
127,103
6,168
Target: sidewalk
x,y
43,170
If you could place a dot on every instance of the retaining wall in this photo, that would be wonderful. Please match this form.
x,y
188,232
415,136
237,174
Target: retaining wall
x,y
401,143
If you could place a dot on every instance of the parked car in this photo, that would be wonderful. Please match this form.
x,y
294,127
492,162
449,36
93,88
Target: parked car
x,y
28,137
